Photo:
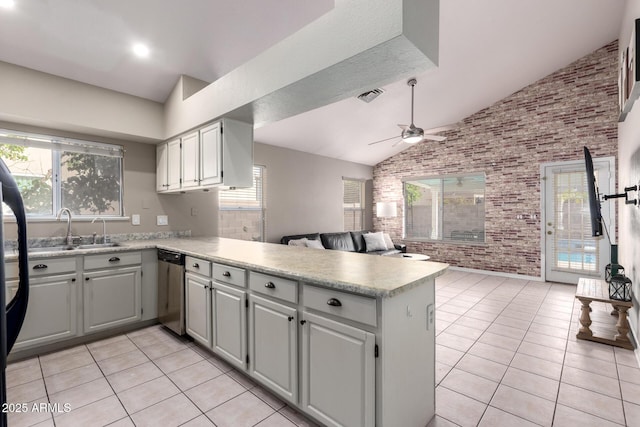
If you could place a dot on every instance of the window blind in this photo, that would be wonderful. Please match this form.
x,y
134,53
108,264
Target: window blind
x,y
244,198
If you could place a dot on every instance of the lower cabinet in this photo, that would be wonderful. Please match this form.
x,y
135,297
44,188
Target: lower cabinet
x,y
51,312
229,324
198,308
273,346
111,298
338,372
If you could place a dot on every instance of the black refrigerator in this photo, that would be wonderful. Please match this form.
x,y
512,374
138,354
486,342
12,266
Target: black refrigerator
x,y
12,317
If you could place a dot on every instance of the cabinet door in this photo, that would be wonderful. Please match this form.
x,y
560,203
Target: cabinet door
x,y
173,164
273,346
111,298
229,324
338,372
51,313
190,160
162,179
211,155
198,308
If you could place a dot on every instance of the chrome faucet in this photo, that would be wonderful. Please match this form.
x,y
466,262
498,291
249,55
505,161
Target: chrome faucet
x,y
69,237
105,238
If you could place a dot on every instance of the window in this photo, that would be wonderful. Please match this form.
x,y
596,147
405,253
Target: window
x,y
353,204
449,208
53,173
242,210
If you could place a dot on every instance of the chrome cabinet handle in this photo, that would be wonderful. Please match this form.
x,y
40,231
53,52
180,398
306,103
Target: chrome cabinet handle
x,y
270,285
334,302
196,265
40,266
226,274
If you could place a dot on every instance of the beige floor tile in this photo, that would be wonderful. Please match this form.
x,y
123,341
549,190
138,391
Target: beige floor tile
x,y
297,418
454,309
201,421
546,340
464,331
470,385
537,366
67,352
525,405
625,357
513,323
438,421
591,381
170,412
52,366
147,394
482,315
470,322
194,375
542,352
33,363
443,316
30,417
569,417
72,378
178,360
549,330
100,413
500,341
482,367
16,377
214,392
275,420
123,361
629,374
488,351
242,379
454,341
531,383
268,398
631,414
48,423
630,392
446,355
83,394
242,411
114,349
441,371
591,349
107,341
507,331
494,417
458,408
27,392
125,422
587,363
162,348
220,364
132,377
591,402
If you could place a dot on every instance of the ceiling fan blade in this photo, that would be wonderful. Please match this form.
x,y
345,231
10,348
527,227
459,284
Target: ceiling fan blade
x,y
400,141
382,140
441,128
403,127
438,138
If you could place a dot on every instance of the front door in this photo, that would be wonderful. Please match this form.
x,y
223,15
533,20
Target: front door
x,y
569,251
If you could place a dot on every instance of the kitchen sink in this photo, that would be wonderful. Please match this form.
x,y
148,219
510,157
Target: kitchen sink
x,y
71,248
99,245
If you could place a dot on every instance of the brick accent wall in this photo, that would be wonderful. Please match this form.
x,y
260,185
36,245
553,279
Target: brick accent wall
x,y
550,120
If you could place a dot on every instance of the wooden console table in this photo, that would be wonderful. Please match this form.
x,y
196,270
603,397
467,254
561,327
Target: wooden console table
x,y
600,326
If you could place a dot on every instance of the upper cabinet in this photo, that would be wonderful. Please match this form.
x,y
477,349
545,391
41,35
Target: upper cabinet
x,y
218,154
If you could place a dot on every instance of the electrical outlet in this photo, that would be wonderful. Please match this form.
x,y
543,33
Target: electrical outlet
x,y
135,219
162,220
194,211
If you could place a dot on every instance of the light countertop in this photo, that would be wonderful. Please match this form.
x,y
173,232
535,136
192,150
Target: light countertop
x,y
372,275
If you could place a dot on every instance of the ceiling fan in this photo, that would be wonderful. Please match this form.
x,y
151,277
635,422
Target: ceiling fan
x,y
412,134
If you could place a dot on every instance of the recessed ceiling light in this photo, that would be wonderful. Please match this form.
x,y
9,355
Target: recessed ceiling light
x,y
7,4
140,50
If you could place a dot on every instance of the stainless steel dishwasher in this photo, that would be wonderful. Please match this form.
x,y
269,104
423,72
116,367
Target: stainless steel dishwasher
x,y
171,290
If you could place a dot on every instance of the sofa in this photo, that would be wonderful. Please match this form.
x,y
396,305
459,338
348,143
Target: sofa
x,y
350,241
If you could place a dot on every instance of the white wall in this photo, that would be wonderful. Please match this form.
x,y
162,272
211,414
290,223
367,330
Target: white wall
x,y
629,174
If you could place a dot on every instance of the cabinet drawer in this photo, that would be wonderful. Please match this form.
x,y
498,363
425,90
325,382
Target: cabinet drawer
x,y
198,266
117,259
232,275
352,307
11,270
274,286
42,267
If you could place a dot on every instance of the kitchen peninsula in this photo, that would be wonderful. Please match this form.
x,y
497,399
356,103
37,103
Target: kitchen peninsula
x,y
347,338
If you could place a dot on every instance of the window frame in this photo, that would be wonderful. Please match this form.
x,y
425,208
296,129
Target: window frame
x,y
361,210
442,223
262,208
57,146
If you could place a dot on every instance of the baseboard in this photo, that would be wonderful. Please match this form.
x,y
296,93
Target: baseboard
x,y
497,273
634,339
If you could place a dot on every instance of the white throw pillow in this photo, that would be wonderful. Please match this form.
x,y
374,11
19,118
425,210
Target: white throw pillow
x,y
298,242
375,241
388,241
315,244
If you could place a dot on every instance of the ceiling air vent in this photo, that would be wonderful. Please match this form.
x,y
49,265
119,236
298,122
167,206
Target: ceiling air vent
x,y
370,95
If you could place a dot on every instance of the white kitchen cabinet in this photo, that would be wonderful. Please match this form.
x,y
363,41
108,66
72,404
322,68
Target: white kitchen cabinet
x,y
218,154
111,292
273,346
51,311
229,323
198,308
338,372
190,159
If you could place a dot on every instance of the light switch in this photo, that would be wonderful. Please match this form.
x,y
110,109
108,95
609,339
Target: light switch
x,y
135,219
162,220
